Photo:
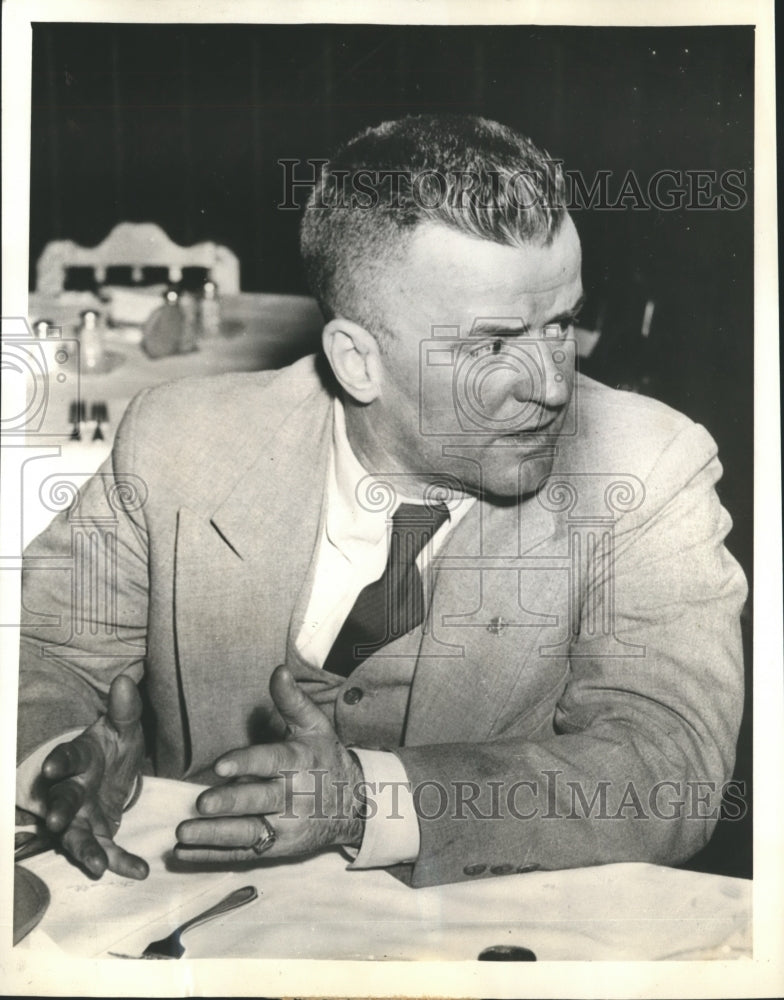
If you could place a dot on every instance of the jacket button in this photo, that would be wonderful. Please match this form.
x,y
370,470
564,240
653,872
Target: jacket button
x,y
474,869
353,695
501,869
524,869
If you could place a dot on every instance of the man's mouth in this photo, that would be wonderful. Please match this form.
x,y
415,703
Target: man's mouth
x,y
538,428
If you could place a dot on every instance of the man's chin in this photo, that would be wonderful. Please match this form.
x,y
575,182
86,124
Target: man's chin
x,y
509,480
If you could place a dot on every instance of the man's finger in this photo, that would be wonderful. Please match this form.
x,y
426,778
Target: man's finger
x,y
125,705
300,714
238,831
68,759
62,804
242,799
79,841
265,760
121,862
217,856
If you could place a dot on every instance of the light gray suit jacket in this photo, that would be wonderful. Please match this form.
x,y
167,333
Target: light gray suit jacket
x,y
579,671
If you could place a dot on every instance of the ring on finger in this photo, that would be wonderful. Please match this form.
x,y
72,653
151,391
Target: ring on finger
x,y
266,838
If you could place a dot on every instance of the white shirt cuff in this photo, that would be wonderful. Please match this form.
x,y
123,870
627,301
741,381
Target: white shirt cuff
x,y
29,770
391,833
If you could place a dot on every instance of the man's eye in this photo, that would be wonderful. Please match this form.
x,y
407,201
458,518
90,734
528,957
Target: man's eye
x,y
570,322
488,347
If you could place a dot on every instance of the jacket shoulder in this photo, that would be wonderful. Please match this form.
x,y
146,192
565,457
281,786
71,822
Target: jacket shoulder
x,y
621,431
217,404
205,432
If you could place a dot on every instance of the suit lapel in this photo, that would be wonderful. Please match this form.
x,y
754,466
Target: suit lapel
x,y
285,482
483,624
237,577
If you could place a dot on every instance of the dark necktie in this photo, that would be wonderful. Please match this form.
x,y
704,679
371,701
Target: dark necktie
x,y
394,604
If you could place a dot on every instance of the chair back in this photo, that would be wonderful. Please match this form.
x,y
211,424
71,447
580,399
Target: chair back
x,y
136,245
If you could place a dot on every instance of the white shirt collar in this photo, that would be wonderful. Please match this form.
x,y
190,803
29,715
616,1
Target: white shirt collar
x,y
348,520
353,523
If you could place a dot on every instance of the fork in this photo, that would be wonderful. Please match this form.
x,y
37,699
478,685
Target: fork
x,y
28,843
77,413
99,412
172,947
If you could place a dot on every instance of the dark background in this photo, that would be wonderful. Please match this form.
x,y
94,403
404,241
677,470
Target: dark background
x,y
183,125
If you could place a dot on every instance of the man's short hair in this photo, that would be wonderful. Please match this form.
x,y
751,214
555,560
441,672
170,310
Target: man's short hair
x,y
469,173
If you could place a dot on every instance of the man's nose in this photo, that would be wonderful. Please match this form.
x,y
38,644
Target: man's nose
x,y
548,376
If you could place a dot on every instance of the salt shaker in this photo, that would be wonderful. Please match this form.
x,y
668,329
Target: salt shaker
x,y
210,311
91,341
42,327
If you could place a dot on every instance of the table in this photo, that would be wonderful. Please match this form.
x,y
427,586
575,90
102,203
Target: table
x,y
261,330
317,909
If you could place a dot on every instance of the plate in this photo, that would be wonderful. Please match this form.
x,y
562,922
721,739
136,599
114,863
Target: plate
x,y
31,898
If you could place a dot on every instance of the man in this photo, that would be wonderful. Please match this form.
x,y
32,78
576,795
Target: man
x,y
431,596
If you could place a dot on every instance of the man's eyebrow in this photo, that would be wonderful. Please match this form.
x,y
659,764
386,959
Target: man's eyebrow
x,y
508,327
570,313
501,327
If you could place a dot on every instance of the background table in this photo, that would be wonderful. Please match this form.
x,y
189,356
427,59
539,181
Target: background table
x,y
260,331
317,909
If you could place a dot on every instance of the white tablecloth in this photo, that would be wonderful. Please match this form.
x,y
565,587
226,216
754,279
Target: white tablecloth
x,y
317,909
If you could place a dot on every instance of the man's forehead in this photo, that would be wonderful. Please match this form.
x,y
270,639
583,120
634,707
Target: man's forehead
x,y
438,253
448,275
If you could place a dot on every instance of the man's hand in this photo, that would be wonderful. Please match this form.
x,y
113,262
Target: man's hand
x,y
89,781
305,785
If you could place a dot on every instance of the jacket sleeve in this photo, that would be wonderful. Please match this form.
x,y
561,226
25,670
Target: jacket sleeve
x,y
631,763
84,598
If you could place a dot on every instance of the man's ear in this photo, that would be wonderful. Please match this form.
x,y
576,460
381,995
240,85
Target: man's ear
x,y
354,357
